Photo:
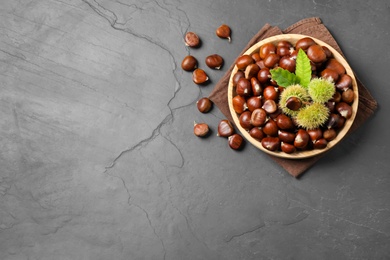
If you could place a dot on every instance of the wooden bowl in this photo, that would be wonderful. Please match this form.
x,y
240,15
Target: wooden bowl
x,y
293,38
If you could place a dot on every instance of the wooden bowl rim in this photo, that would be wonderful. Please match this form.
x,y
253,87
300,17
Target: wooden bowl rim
x,y
293,38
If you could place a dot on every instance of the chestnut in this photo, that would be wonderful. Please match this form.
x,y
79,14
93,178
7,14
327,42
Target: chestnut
x,y
224,31
335,65
348,96
301,139
256,87
282,51
199,76
271,128
251,70
257,133
256,57
316,53
304,43
271,60
344,82
239,74
315,134
333,120
239,104
244,87
328,53
191,39
263,75
287,148
329,134
270,92
293,103
245,120
204,105
288,63
189,63
244,61
320,143
286,136
330,74
266,49
235,141
270,106
271,143
284,122
253,103
201,129
225,128
214,61
258,117
344,109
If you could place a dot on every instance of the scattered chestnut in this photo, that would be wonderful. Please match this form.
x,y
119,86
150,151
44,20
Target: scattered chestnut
x,y
284,122
253,103
225,128
199,76
257,133
189,63
270,106
258,117
301,139
316,53
270,128
245,120
329,134
244,61
191,39
214,61
244,87
271,143
204,105
224,31
251,71
239,104
235,141
287,148
201,129
344,109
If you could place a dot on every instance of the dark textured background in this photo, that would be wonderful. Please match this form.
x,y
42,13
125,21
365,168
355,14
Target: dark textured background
x,y
98,159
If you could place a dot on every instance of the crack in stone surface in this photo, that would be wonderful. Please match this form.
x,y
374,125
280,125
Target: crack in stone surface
x,y
260,226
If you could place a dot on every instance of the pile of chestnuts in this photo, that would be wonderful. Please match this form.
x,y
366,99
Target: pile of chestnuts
x,y
200,77
256,97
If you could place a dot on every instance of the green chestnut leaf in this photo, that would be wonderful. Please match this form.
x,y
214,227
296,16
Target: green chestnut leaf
x,y
284,78
303,68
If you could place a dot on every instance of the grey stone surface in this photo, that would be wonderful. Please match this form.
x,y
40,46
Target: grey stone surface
x,y
98,159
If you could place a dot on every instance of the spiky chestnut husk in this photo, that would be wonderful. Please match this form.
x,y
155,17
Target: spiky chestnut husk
x,y
293,91
312,116
321,90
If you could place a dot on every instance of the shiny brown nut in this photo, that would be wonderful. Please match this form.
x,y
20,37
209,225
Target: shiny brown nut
x,y
225,128
315,134
253,103
288,63
348,96
256,57
224,31
316,53
271,60
201,129
243,61
329,134
214,61
258,117
284,122
199,76
257,133
293,103
330,105
244,87
336,66
333,120
344,109
256,87
282,51
264,75
344,82
245,120
328,53
286,136
330,74
336,97
189,63
235,141
251,71
320,143
301,139
287,148
270,128
266,49
304,43
191,39
239,104
271,143
270,106
204,104
239,74
270,92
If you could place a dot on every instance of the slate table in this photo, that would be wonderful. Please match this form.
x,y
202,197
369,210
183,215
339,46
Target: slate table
x,y
98,159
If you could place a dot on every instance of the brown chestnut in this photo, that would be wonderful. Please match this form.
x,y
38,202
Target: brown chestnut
x,y
330,74
239,104
270,128
191,39
214,61
204,105
251,71
264,75
316,53
286,136
288,63
257,133
329,134
256,87
199,76
266,49
284,122
258,117
239,74
271,143
301,139
224,31
253,103
344,82
270,106
201,129
335,65
293,103
344,109
348,96
333,120
189,63
287,148
271,60
225,128
244,87
270,92
315,134
244,61
320,143
304,43
235,141
245,120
